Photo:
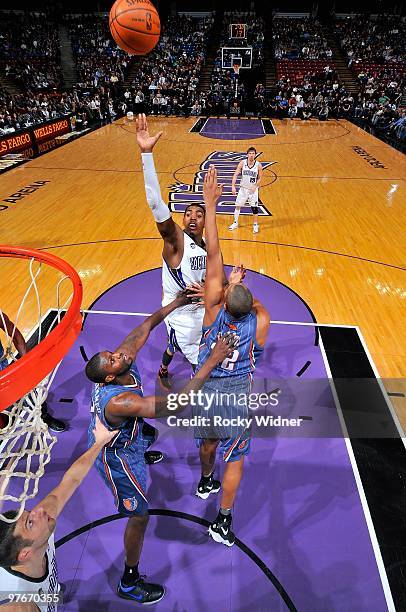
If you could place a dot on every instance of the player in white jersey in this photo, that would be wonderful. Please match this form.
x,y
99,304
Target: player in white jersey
x,y
184,259
251,175
27,550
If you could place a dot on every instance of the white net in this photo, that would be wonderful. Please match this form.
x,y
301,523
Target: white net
x,y
25,449
25,440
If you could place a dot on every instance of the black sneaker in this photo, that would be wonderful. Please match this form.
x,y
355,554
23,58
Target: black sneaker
x,y
207,486
53,424
150,432
165,379
142,592
152,457
220,530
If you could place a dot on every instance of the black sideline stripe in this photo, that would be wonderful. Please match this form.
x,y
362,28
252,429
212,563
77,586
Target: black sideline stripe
x,y
378,449
198,125
268,126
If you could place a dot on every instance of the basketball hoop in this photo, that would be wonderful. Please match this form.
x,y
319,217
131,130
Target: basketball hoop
x,y
25,442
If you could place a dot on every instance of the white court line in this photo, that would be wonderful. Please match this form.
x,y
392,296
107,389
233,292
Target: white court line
x,y
113,312
148,314
196,122
384,392
361,492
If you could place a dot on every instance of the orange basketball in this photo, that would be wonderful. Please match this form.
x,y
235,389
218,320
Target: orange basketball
x,y
135,25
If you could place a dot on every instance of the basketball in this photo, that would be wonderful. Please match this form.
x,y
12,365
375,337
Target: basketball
x,y
135,25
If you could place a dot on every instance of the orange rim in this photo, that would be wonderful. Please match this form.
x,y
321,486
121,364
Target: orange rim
x,y
23,375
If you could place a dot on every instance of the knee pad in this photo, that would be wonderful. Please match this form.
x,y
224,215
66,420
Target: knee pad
x,y
254,210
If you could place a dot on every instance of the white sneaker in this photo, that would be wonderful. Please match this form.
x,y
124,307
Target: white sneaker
x,y
255,228
233,226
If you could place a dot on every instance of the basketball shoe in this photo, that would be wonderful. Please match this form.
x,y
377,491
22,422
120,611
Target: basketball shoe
x,y
152,457
207,485
233,226
220,530
255,228
142,592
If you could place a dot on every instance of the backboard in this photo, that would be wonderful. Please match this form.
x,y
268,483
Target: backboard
x,y
236,55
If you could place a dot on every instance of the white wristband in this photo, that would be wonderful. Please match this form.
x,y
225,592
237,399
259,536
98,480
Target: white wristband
x,y
152,190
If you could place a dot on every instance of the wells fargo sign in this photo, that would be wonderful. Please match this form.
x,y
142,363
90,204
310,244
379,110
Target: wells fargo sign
x,y
29,140
50,130
16,142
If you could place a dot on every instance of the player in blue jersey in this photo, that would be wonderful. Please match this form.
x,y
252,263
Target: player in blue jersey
x,y
117,399
231,309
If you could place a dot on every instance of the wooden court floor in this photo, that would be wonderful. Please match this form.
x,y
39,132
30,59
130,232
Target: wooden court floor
x,y
336,235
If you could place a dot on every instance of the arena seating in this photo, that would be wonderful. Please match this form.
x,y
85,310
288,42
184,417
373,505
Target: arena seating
x,y
98,59
29,51
299,38
165,81
172,70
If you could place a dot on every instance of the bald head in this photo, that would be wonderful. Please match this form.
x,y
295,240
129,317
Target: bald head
x,y
96,368
239,300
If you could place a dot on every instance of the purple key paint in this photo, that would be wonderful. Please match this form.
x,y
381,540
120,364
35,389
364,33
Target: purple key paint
x,y
298,508
233,129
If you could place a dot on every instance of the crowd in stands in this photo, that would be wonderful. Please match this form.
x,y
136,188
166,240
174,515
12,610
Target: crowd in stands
x,y
316,95
303,38
165,81
308,85
376,54
324,98
98,59
167,78
29,51
376,40
22,111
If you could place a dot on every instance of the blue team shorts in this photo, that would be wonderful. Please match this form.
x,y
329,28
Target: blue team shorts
x,y
3,363
125,472
225,410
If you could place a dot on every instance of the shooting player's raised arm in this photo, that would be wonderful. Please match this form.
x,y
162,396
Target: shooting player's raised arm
x,y
169,230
